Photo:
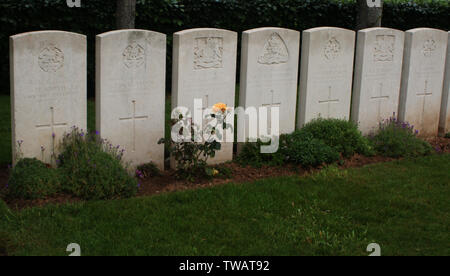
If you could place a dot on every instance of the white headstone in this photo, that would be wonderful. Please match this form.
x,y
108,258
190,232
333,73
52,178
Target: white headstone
x,y
48,90
376,84
422,79
444,124
130,94
204,67
326,74
269,73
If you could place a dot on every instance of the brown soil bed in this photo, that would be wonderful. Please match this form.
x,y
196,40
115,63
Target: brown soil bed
x,y
167,182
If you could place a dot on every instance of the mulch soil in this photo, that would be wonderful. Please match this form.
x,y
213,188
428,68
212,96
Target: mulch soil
x,y
167,182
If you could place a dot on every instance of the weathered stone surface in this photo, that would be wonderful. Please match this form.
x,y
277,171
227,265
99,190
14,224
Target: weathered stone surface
x,y
48,91
269,74
422,79
204,67
378,68
130,94
326,74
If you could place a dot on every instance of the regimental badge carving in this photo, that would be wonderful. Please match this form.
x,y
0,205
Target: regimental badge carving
x,y
332,49
51,58
208,53
429,46
275,51
134,55
384,48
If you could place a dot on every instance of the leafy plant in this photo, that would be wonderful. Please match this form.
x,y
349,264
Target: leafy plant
x,y
447,135
302,148
342,135
250,154
218,171
32,179
194,145
92,167
3,208
399,139
147,170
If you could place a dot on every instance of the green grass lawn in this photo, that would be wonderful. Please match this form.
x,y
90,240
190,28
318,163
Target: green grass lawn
x,y
403,206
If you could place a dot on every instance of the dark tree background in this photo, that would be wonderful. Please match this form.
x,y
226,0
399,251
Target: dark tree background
x,y
369,16
125,14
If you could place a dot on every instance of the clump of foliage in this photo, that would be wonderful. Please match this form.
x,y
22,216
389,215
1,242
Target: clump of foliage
x,y
92,167
32,179
250,155
299,148
3,208
342,135
302,148
147,170
399,139
193,145
447,135
218,172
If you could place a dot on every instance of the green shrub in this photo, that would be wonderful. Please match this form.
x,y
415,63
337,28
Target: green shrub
x,y
399,139
3,208
32,179
447,135
342,135
302,148
147,170
250,155
93,168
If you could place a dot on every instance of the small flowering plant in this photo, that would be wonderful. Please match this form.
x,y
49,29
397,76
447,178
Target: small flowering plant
x,y
395,138
93,167
192,145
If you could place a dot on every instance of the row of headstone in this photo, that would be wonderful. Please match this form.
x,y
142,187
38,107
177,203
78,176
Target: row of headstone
x,y
48,82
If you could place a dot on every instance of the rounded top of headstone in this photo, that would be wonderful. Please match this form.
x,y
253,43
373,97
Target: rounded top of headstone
x,y
198,30
379,29
419,30
47,32
124,31
269,29
323,29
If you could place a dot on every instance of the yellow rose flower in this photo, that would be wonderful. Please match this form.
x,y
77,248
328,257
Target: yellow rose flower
x,y
215,172
219,107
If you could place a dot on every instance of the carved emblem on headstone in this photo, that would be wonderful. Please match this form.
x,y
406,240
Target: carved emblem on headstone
x,y
134,55
275,51
208,53
384,48
51,58
332,49
428,47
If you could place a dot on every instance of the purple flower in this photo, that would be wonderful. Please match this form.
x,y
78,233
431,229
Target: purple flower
x,y
97,133
53,135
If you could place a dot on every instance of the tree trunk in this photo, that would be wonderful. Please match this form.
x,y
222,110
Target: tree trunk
x,y
369,14
125,14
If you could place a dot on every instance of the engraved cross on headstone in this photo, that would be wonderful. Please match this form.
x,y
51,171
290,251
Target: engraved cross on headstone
x,y
329,101
52,125
133,119
379,98
424,94
270,105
